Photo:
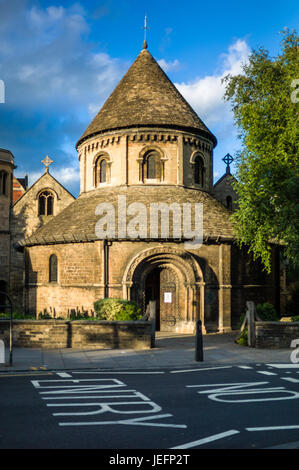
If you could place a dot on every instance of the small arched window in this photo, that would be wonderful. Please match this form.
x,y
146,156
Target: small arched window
x,y
199,171
101,170
229,202
45,203
152,166
3,182
53,268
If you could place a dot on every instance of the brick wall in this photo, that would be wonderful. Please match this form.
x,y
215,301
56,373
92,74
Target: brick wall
x,y
53,334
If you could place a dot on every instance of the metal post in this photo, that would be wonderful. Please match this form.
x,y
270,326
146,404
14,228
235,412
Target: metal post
x,y
152,310
198,342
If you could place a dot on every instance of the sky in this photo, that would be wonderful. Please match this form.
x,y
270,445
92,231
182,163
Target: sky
x,y
59,62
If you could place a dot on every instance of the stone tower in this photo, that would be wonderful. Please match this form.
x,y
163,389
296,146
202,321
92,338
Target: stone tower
x,y
146,123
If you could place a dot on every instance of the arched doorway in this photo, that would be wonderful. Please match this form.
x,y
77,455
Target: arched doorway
x,y
173,278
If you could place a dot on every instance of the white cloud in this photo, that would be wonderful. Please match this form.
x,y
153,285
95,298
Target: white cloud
x,y
67,175
167,66
206,94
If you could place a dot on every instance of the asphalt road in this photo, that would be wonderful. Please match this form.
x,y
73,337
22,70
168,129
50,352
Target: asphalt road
x,y
221,407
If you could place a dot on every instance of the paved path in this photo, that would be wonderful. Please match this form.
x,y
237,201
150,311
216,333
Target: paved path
x,y
171,351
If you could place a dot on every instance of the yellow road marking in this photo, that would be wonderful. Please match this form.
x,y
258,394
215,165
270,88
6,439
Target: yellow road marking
x,y
21,374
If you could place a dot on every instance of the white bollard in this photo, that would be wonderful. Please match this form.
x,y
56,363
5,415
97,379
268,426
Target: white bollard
x,y
2,352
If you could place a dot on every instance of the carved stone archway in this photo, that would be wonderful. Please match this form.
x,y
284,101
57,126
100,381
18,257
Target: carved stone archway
x,y
188,275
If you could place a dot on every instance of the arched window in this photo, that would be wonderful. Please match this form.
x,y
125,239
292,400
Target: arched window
x,y
229,202
45,203
3,182
101,170
53,268
152,166
199,170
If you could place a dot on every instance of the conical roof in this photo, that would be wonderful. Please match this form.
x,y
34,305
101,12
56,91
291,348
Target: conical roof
x,y
145,97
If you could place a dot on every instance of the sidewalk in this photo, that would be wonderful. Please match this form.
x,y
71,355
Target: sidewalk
x,y
171,351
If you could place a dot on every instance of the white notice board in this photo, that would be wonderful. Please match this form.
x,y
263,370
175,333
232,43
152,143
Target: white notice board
x,y
167,297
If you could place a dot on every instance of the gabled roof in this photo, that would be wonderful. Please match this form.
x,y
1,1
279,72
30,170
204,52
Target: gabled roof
x,y
225,175
44,175
146,97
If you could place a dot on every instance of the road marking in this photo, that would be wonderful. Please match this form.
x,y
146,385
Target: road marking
x,y
108,395
289,379
63,375
235,389
284,366
206,440
133,422
266,372
199,370
274,428
104,372
245,367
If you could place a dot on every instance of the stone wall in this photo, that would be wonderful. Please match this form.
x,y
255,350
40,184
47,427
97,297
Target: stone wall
x,y
276,335
81,334
25,220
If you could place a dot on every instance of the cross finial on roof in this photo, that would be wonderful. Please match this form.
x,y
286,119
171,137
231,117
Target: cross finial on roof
x,y
228,159
145,29
47,162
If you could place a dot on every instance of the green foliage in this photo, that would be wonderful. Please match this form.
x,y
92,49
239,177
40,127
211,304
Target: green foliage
x,y
295,318
45,316
268,163
243,338
117,310
267,312
17,316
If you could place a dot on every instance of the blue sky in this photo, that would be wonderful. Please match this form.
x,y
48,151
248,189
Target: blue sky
x,y
61,60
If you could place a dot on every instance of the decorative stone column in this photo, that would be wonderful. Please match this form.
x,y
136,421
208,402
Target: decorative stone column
x,y
224,324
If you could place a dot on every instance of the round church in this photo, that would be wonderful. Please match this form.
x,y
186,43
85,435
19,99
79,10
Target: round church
x,y
146,225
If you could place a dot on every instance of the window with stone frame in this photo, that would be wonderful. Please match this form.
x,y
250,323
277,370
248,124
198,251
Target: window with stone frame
x,y
152,166
199,171
3,182
53,268
46,203
101,170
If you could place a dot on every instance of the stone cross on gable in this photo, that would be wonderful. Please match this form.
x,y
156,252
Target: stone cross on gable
x,y
228,159
47,162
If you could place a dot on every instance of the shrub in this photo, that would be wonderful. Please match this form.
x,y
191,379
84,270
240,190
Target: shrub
x,y
266,312
295,318
243,338
117,310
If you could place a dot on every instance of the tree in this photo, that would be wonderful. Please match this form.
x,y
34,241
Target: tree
x,y
265,104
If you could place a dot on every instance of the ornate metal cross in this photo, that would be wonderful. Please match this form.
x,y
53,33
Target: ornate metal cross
x,y
228,159
47,162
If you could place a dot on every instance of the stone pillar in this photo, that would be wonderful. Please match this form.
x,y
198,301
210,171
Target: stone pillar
x,y
224,324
